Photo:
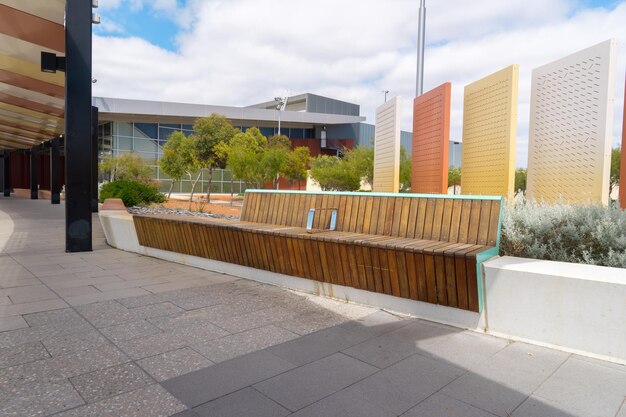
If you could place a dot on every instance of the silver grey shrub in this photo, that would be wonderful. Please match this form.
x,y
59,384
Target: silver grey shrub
x,y
582,234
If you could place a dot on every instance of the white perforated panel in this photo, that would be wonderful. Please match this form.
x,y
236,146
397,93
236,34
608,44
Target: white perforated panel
x,y
387,147
571,119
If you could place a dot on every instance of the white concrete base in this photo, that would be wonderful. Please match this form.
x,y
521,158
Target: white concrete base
x,y
120,233
578,308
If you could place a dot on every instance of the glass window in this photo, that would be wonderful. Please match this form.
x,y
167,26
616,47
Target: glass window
x,y
165,130
145,130
145,145
296,133
150,158
123,143
188,127
124,129
267,131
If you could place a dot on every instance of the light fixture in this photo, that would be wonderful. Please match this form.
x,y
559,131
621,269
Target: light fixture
x,y
51,63
95,18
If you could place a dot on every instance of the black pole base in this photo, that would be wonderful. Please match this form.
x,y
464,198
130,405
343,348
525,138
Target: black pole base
x,y
7,192
55,199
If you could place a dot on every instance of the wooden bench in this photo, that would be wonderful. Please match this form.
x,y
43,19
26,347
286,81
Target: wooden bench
x,y
421,247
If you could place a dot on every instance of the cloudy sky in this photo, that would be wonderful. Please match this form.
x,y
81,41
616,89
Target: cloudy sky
x,y
240,52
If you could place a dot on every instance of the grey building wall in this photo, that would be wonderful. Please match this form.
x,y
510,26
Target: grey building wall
x,y
319,104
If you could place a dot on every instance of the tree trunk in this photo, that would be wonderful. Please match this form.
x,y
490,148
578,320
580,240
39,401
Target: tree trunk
x,y
208,190
169,194
193,185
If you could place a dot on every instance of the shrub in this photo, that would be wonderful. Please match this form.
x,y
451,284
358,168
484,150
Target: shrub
x,y
132,192
582,234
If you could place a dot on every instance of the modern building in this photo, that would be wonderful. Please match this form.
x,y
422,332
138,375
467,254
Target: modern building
x,y
325,125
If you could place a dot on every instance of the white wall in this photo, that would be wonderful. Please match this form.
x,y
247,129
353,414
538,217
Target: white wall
x,y
387,147
581,308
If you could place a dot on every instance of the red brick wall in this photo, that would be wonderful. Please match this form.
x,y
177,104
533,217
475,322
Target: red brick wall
x,y
431,138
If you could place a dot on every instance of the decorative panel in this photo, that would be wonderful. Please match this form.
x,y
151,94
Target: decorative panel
x,y
387,147
571,117
489,126
431,138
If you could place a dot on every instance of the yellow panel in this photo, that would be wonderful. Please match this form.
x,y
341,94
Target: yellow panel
x,y
31,95
31,70
20,49
52,10
489,126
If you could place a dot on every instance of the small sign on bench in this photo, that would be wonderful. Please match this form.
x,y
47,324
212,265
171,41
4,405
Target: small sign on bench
x,y
310,222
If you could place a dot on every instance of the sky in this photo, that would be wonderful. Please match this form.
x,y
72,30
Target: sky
x,y
241,52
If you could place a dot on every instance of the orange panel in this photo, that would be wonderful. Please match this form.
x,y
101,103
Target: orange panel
x,y
431,140
622,176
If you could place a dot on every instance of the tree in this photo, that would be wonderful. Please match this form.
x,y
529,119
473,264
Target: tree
x,y
297,165
176,160
454,177
521,175
244,156
616,156
208,133
335,174
361,160
274,159
126,166
406,167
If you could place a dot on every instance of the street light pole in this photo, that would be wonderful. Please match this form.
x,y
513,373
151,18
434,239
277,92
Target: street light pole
x,y
385,92
421,35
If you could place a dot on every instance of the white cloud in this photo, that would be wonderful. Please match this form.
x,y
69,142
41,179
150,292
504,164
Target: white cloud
x,y
239,52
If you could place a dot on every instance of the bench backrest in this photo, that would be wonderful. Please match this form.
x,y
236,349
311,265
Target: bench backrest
x,y
448,218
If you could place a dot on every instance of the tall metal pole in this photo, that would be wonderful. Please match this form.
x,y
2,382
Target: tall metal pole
x,y
421,35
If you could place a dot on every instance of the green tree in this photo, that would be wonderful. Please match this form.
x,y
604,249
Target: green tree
x,y
126,166
335,174
406,167
244,156
274,159
176,160
361,160
521,176
616,156
209,132
297,165
454,177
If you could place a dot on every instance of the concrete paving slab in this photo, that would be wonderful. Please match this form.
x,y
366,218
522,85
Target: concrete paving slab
x,y
573,385
205,385
310,383
109,382
174,363
344,404
246,402
12,323
510,377
130,330
32,307
151,401
38,399
405,384
68,343
228,347
25,353
439,405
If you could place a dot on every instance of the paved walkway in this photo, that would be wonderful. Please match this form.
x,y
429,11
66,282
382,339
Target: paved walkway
x,y
110,333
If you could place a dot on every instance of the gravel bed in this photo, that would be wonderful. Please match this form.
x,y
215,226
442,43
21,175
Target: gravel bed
x,y
178,212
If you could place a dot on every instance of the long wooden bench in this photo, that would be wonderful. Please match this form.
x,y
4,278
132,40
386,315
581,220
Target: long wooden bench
x,y
421,247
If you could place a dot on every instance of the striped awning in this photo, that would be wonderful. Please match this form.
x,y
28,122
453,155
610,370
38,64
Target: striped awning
x,y
31,102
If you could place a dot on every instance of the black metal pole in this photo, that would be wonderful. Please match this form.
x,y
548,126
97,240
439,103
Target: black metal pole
x,y
78,232
94,159
7,174
34,173
55,171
